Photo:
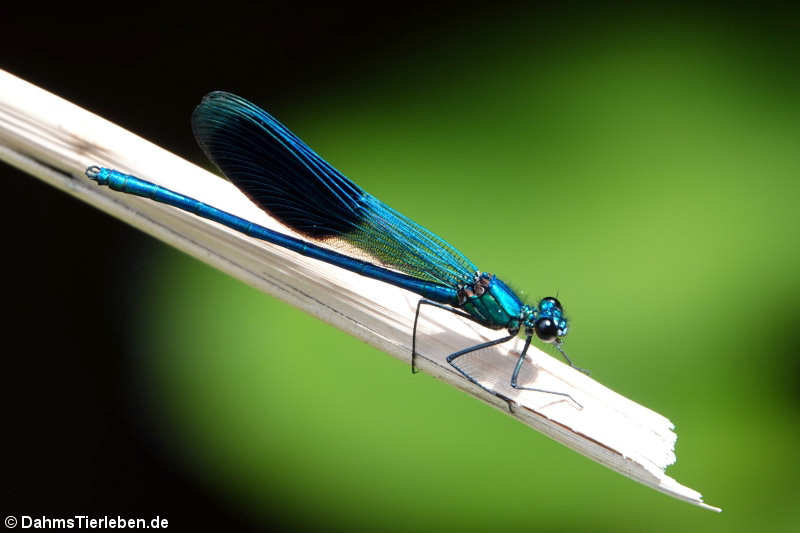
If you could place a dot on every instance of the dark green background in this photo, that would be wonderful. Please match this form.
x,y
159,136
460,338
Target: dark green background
x,y
643,165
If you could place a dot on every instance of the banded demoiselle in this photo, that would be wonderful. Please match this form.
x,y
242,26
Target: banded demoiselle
x,y
286,178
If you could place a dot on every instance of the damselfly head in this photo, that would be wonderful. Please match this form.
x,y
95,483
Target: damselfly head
x,y
549,322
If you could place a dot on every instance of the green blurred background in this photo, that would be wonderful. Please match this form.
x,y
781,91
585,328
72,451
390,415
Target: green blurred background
x,y
643,165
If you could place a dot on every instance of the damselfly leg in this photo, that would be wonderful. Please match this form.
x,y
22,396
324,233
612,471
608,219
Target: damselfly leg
x,y
455,355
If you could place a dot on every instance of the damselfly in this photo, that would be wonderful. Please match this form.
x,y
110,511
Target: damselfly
x,y
283,176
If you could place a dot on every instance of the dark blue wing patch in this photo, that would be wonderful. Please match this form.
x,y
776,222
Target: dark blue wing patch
x,y
286,178
274,168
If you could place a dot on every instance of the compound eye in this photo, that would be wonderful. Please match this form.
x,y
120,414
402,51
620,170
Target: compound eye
x,y
546,329
550,302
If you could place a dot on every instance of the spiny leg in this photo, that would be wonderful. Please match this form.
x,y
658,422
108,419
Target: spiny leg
x,y
519,366
453,356
579,369
416,318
